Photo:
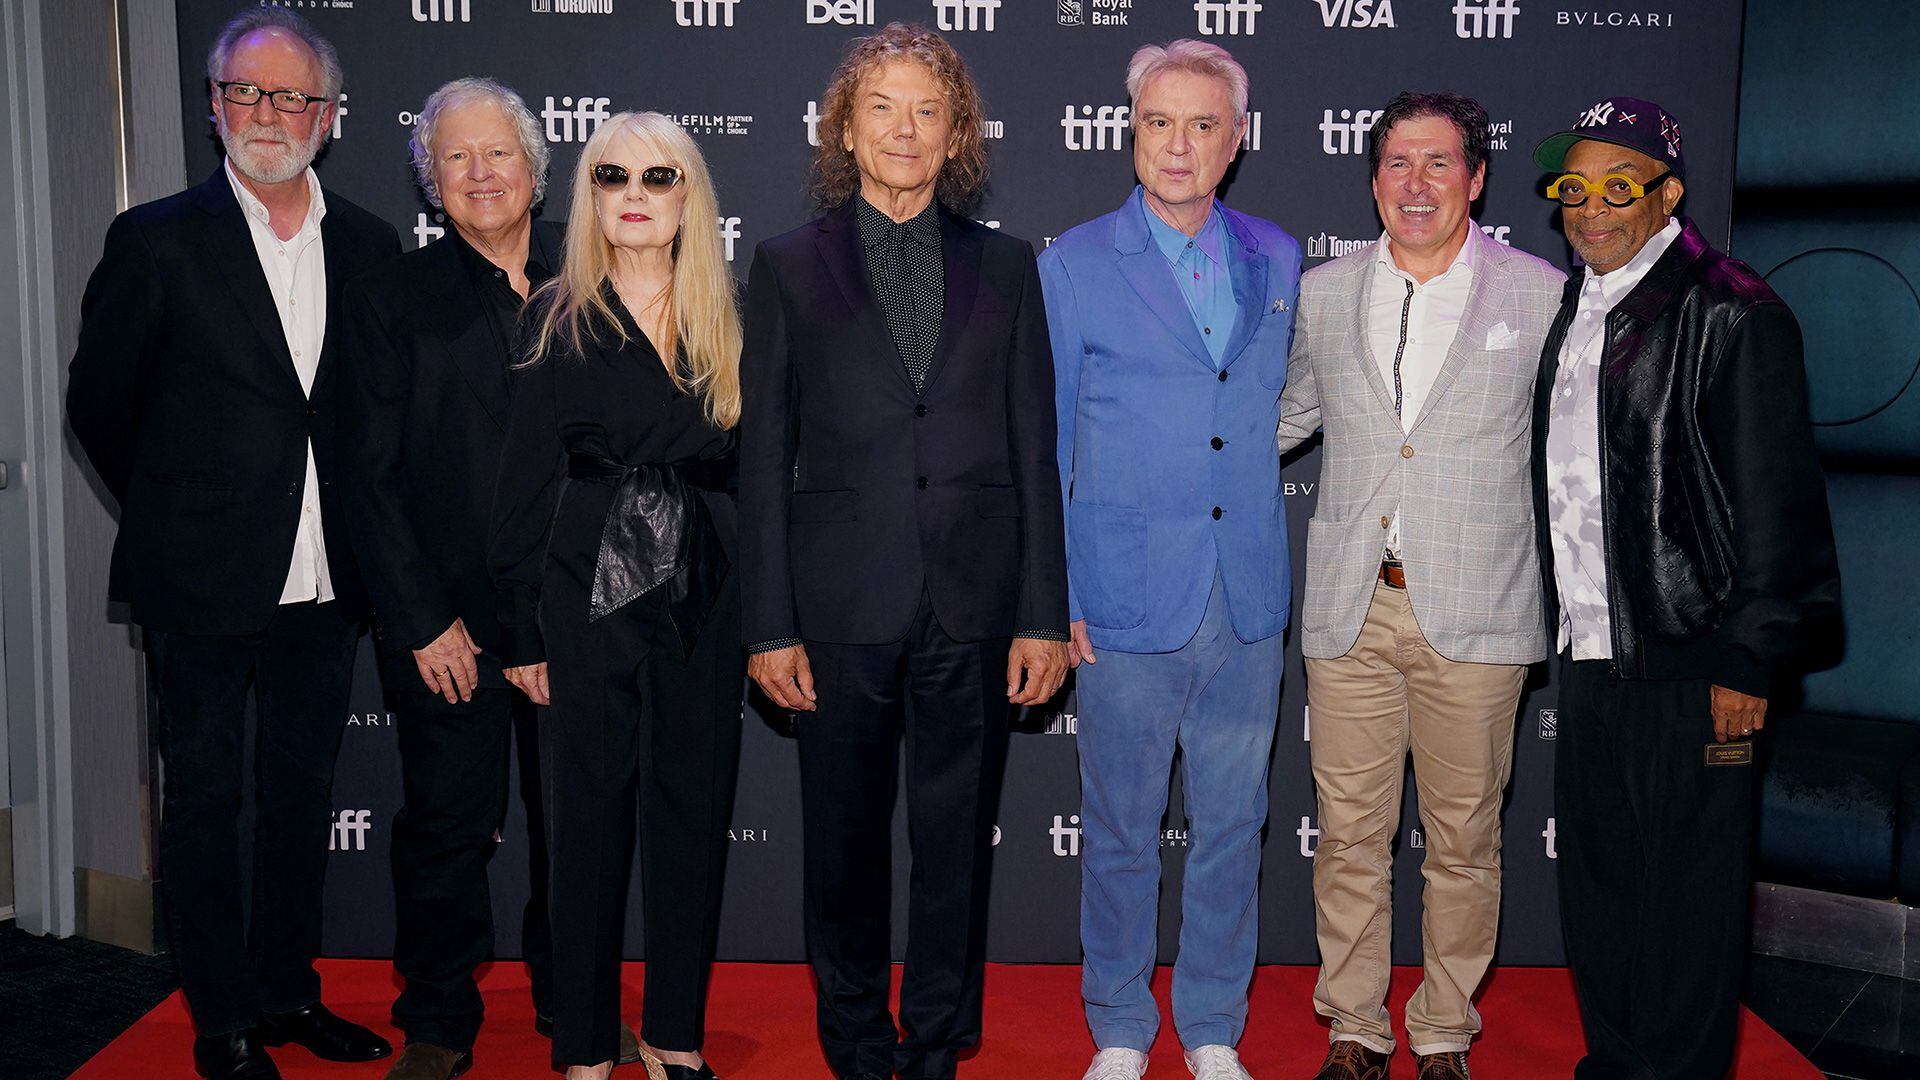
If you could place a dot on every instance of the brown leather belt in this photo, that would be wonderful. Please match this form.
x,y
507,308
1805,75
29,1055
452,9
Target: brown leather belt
x,y
1392,575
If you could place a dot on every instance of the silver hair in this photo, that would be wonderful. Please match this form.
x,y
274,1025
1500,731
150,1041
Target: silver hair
x,y
467,91
276,18
1198,57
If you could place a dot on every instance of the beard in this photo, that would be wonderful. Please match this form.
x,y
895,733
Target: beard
x,y
277,163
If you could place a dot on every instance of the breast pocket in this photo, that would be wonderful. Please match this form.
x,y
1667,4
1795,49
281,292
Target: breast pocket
x,y
1271,339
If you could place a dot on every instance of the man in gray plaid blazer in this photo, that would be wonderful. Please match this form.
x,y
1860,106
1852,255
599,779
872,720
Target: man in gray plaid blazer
x,y
1416,356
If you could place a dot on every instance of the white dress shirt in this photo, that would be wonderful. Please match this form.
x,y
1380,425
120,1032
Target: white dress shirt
x,y
1410,327
296,273
1576,525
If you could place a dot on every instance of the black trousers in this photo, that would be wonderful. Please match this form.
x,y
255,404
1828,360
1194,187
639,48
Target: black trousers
x,y
956,744
637,733
299,670
454,770
1653,857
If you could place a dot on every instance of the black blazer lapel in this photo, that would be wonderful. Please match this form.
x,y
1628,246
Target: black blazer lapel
x,y
838,241
229,239
960,259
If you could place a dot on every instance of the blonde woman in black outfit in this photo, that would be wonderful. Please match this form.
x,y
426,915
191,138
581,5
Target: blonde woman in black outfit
x,y
613,530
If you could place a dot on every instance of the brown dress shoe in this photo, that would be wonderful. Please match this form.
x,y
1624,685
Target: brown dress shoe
x,y
425,1061
1446,1065
1349,1060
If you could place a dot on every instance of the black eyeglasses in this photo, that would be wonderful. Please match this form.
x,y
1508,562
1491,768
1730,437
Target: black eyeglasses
x,y
654,179
286,101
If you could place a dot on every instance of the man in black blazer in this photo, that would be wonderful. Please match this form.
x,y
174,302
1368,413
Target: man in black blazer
x,y
203,392
427,340
900,533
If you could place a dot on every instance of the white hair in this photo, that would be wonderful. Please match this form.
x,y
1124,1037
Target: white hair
x,y
1198,57
468,91
276,18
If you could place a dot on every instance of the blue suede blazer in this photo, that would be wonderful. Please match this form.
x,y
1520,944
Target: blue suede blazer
x,y
1169,466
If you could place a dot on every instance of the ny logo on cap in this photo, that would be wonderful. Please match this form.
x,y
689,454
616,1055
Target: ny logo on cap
x,y
1596,116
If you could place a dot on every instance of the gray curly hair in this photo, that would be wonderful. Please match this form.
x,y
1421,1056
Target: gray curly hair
x,y
467,91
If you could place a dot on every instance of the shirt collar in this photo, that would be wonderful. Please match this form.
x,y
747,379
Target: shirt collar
x,y
539,267
1463,259
1211,240
256,210
1614,285
876,227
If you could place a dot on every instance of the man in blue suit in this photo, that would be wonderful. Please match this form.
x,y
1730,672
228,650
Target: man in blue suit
x,y
1171,319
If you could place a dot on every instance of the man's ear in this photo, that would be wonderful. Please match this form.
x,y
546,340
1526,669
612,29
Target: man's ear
x,y
1671,193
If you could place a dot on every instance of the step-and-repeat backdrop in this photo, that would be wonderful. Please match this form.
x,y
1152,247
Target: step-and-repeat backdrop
x,y
746,77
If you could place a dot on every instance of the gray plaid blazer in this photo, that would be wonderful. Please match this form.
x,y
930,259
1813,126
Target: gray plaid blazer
x,y
1460,479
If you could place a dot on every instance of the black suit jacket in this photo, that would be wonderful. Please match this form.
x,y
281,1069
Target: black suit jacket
x,y
856,493
184,396
427,401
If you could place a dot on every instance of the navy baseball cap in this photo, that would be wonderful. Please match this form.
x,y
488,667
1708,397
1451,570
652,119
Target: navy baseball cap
x,y
1622,121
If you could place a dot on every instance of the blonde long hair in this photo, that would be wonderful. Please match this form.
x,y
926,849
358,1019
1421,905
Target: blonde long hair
x,y
703,317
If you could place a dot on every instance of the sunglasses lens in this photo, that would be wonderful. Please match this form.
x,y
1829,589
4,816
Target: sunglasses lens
x,y
610,177
659,179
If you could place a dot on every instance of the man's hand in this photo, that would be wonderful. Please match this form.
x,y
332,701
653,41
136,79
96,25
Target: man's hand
x,y
1081,647
785,676
1045,664
532,681
1736,715
446,664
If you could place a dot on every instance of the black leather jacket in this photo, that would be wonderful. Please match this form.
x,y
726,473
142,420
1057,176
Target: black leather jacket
x,y
1719,549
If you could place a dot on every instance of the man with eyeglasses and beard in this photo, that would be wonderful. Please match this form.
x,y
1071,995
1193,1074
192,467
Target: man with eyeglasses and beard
x,y
1685,546
202,392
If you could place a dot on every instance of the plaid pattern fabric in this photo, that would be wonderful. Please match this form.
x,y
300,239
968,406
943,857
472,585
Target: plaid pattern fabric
x,y
1460,478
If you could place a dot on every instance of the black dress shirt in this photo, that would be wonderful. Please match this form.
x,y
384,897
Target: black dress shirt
x,y
497,298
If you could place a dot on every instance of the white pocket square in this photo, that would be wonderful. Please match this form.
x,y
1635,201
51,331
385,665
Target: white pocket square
x,y
1502,337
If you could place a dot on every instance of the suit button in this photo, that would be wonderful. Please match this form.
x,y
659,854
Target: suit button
x,y
1223,376
313,412
1386,521
1216,513
293,489
1406,451
919,410
1217,444
920,482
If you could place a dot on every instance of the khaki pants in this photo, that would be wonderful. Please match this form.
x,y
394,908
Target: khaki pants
x,y
1390,694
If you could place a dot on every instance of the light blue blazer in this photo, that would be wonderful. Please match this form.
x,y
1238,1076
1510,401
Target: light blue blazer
x,y
1169,466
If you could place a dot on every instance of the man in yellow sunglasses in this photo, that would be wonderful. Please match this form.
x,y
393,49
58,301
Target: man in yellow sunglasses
x,y
1684,542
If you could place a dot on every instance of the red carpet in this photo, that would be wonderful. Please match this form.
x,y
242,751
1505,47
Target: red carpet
x,y
761,1028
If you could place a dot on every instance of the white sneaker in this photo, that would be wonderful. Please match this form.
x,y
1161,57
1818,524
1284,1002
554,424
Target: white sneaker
x,y
1215,1062
1117,1063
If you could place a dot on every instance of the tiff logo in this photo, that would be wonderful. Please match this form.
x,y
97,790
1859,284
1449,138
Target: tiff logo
x,y
965,14
442,10
350,830
844,12
426,232
1356,14
812,120
339,114
1308,837
1348,134
729,232
704,12
1484,18
1251,140
1066,836
1104,128
1553,837
1226,16
574,120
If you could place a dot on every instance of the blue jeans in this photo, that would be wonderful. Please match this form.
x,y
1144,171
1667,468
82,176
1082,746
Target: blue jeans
x,y
1217,699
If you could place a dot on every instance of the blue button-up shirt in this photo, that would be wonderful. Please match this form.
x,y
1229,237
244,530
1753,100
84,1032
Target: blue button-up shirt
x,y
1200,269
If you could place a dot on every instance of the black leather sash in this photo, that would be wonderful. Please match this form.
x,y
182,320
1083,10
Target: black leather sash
x,y
658,533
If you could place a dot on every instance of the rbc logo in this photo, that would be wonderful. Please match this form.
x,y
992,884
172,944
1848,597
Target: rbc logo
x,y
965,14
442,10
1226,16
704,12
1104,128
1484,18
574,120
1346,135
844,12
350,830
1066,836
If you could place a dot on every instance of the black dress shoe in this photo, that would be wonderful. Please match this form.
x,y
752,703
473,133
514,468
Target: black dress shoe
x,y
326,1035
687,1072
236,1056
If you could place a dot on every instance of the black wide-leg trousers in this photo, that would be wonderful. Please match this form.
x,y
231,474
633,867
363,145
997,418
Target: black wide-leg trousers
x,y
235,962
956,742
639,733
454,765
1654,863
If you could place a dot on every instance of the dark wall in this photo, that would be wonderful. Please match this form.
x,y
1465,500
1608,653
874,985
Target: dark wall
x,y
746,77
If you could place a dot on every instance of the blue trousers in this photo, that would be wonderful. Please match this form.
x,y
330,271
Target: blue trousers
x,y
1216,698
